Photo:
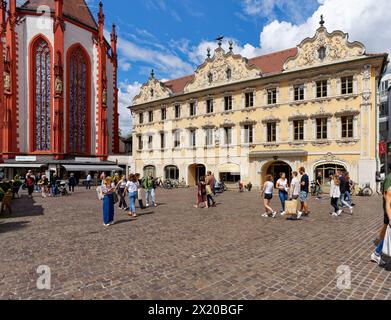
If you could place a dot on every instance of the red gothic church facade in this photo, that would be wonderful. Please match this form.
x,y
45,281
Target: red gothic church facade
x,y
58,92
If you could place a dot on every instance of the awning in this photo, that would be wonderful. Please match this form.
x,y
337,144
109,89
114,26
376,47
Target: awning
x,y
21,165
231,168
279,154
85,168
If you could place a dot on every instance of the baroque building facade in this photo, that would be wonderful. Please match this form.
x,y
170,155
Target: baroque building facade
x,y
313,106
58,92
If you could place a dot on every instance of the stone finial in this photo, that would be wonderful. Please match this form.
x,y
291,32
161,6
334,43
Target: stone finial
x,y
208,53
322,22
231,46
220,40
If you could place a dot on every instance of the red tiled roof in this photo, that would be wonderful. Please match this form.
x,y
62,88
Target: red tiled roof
x,y
269,64
73,9
273,62
178,85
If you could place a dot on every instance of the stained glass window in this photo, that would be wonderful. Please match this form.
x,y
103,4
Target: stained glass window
x,y
78,103
42,96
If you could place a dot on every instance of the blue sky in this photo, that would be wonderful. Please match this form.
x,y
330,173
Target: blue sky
x,y
171,36
174,27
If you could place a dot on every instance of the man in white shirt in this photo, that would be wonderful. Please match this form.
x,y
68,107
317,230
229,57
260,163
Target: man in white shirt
x,y
88,184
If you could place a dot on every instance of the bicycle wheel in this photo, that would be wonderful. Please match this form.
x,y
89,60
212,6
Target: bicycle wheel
x,y
368,192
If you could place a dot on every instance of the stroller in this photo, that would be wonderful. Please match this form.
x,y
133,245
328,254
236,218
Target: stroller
x,y
63,188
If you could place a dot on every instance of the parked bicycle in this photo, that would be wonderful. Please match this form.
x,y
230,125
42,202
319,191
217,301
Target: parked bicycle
x,y
365,191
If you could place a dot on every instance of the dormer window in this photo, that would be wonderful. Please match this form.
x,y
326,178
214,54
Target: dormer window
x,y
229,74
322,53
210,77
152,93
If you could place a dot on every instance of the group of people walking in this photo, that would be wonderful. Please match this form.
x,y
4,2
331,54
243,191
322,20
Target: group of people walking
x,y
297,189
117,189
340,193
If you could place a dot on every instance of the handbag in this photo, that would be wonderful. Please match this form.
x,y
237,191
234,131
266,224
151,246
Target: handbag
x,y
115,198
100,193
291,207
387,243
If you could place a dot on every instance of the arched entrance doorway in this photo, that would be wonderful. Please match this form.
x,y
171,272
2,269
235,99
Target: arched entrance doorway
x,y
327,170
171,172
276,168
195,172
149,170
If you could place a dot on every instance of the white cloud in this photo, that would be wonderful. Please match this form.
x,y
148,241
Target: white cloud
x,y
297,10
198,54
164,62
366,21
126,94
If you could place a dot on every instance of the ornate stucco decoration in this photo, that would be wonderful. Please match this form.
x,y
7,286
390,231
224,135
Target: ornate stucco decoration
x,y
223,68
298,116
325,48
271,118
153,90
347,112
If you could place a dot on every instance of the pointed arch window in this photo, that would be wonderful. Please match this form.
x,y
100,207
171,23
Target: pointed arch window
x,y
42,98
78,102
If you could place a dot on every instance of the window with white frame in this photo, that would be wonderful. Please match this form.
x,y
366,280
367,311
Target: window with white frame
x,y
177,139
321,129
271,131
140,142
163,114
347,127
150,116
298,92
162,140
192,109
141,118
177,111
347,85
150,142
321,89
209,136
249,99
228,103
298,130
228,136
209,106
248,133
192,138
272,96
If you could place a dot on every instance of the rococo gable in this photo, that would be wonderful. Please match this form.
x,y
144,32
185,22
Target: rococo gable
x,y
151,91
325,48
223,68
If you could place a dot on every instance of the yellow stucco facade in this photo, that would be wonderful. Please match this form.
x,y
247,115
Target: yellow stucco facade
x,y
319,113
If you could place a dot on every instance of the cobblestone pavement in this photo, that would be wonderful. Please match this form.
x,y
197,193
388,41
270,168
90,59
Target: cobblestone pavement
x,y
178,252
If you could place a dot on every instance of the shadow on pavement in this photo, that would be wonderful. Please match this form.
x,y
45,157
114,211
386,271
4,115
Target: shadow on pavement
x,y
24,207
11,226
